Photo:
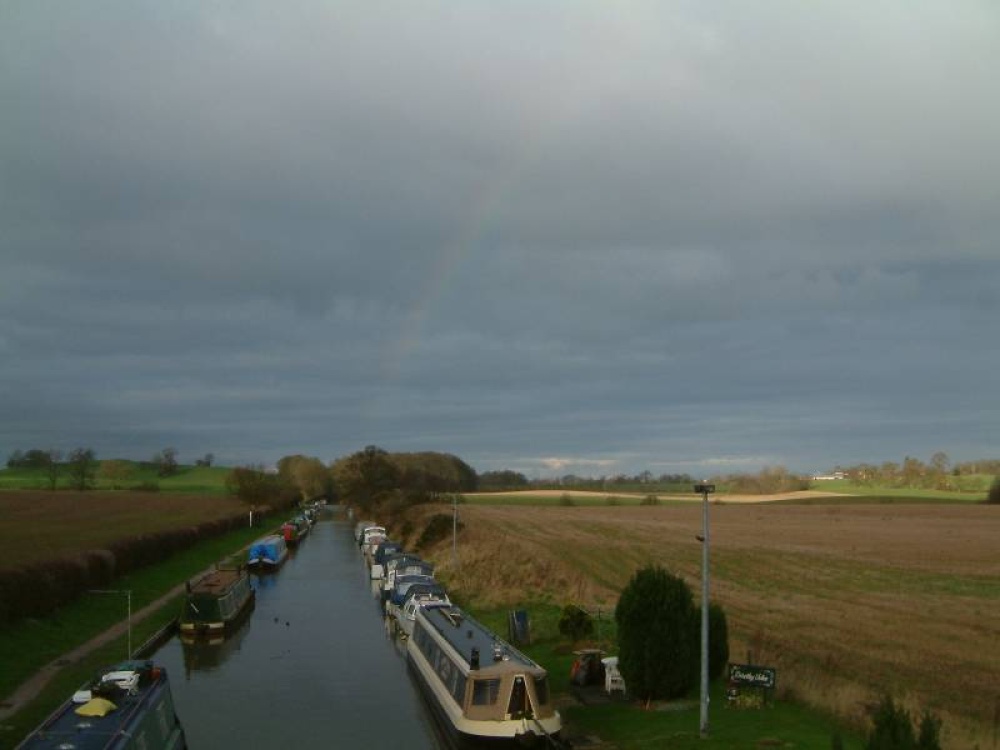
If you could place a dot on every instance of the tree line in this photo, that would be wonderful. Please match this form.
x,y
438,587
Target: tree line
x,y
938,473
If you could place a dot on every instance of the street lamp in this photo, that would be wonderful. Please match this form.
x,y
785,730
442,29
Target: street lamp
x,y
704,489
128,594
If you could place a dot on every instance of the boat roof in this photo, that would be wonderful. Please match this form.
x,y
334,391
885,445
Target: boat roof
x,y
217,581
464,634
269,539
66,728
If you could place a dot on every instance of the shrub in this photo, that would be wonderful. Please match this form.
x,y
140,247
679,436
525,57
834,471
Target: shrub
x,y
438,527
575,623
611,500
566,499
993,497
718,641
657,635
146,487
650,500
893,729
929,735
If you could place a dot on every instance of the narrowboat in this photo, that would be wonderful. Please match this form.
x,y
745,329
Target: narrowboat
x,y
216,603
267,553
482,690
295,531
128,707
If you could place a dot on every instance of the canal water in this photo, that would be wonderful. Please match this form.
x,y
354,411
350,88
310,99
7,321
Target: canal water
x,y
312,666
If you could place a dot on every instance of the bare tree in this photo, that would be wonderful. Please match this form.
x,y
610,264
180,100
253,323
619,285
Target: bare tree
x,y
52,469
81,467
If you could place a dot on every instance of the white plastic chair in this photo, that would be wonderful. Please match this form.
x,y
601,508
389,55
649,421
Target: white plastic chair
x,y
613,679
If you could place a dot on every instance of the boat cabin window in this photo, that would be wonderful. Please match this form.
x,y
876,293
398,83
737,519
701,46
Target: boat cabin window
x,y
485,692
542,690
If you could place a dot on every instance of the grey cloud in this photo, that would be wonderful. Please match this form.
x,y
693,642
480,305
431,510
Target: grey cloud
x,y
518,233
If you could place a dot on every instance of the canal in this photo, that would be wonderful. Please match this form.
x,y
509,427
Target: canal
x,y
312,667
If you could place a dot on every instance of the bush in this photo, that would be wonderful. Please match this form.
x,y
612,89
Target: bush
x,y
611,500
438,527
993,497
657,635
650,500
718,641
893,729
566,499
575,623
146,487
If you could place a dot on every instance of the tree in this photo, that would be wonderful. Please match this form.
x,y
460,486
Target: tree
x,y
307,474
256,487
81,466
657,635
205,461
366,477
15,459
166,462
52,470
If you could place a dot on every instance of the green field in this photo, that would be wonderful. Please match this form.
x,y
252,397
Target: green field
x,y
200,479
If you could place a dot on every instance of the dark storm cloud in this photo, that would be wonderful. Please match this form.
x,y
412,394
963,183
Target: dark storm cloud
x,y
575,237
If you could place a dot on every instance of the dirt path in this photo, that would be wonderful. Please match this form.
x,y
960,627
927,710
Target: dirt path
x,y
30,688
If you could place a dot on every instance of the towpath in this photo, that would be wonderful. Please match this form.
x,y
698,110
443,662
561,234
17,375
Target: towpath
x,y
30,688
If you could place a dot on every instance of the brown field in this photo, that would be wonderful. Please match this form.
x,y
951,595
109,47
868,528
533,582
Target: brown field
x,y
846,601
38,526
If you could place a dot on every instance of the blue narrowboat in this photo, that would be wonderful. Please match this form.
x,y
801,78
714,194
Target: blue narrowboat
x,y
267,553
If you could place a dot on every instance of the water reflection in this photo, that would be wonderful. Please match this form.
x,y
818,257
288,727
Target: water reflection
x,y
208,654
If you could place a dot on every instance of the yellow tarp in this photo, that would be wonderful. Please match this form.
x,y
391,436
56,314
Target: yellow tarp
x,y
96,707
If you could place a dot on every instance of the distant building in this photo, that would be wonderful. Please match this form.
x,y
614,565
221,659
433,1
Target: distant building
x,y
829,477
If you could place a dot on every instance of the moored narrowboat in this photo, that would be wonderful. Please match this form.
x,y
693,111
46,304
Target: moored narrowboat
x,y
216,603
482,689
267,553
295,530
128,707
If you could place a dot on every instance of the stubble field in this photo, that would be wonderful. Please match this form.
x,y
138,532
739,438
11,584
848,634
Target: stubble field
x,y
847,602
37,526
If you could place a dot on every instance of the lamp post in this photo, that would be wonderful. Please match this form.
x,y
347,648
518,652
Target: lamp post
x,y
128,595
704,489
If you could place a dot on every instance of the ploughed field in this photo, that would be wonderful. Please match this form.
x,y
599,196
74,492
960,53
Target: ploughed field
x,y
37,526
847,601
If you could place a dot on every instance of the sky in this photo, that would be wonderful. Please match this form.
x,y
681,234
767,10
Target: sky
x,y
555,237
